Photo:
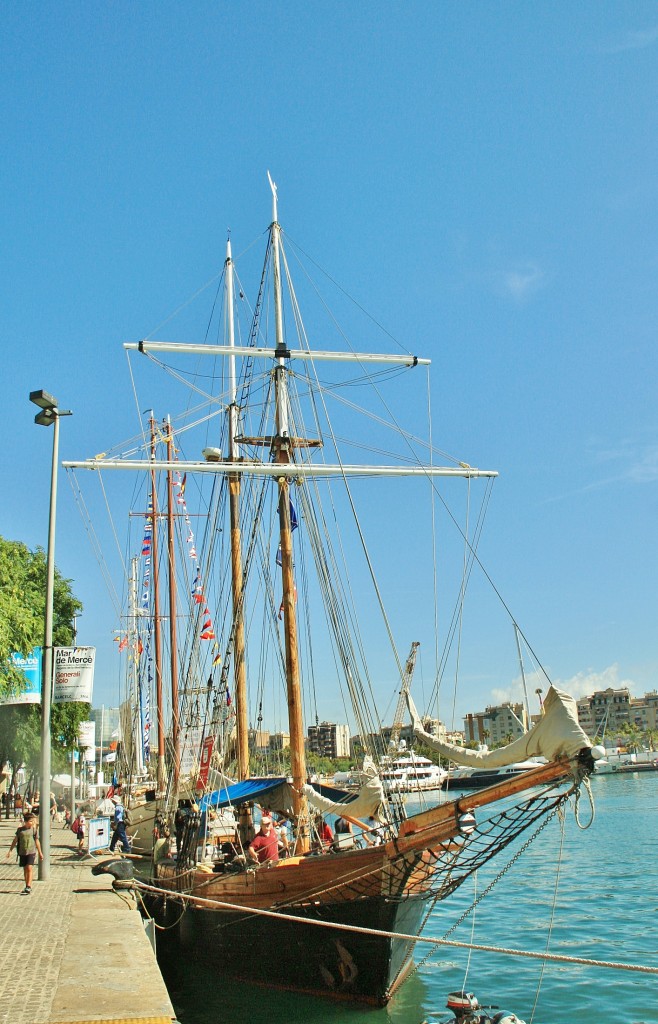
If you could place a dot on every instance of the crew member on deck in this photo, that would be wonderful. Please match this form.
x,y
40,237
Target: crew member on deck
x,y
265,845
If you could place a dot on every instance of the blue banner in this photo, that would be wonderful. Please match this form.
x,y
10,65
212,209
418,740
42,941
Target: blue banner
x,y
30,689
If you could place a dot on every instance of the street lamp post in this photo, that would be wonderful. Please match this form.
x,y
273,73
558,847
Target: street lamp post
x,y
49,413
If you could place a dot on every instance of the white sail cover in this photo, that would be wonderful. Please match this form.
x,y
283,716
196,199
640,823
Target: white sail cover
x,y
366,802
556,734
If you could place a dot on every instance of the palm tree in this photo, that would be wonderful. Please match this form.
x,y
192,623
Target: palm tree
x,y
650,736
632,737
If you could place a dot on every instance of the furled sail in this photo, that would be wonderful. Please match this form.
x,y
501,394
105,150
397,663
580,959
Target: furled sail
x,y
556,734
362,804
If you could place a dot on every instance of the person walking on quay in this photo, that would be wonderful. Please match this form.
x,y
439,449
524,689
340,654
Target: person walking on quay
x,y
79,828
29,847
119,834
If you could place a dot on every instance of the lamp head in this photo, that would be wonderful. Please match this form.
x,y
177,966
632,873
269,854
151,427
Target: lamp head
x,y
48,406
45,417
43,399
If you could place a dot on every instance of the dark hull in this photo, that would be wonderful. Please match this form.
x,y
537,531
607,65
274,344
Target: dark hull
x,y
303,957
480,781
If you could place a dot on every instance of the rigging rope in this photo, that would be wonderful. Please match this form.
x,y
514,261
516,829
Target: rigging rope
x,y
549,933
380,933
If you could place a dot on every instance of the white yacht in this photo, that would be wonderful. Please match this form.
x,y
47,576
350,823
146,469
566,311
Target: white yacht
x,y
411,773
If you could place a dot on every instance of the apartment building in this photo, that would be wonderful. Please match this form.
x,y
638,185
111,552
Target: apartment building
x,y
329,740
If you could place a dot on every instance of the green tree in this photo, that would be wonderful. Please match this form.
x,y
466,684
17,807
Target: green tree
x,y
22,613
318,765
20,737
631,737
430,753
23,605
64,728
650,738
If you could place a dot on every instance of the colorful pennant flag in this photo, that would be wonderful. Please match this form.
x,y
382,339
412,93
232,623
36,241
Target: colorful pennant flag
x,y
197,588
207,630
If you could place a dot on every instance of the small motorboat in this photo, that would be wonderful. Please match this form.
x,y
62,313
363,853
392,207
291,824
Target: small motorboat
x,y
468,1010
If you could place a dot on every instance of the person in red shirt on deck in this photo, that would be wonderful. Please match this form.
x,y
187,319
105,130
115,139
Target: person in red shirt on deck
x,y
324,835
265,845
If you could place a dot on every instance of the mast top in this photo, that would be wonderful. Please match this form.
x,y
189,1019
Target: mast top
x,y
275,217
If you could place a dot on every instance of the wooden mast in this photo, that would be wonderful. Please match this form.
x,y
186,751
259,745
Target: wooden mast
x,y
282,446
173,653
157,637
237,576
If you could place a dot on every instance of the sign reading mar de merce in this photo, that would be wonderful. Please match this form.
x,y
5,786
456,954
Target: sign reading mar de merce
x,y
73,676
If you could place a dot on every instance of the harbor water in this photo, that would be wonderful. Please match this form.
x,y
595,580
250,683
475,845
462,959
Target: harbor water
x,y
575,892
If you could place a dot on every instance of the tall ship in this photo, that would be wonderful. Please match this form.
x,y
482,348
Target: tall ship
x,y
309,561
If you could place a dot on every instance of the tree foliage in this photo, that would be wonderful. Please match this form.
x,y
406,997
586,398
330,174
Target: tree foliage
x,y
20,735
23,605
22,614
631,737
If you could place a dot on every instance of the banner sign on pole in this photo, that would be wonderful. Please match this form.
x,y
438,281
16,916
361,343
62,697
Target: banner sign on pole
x,y
74,674
87,740
30,666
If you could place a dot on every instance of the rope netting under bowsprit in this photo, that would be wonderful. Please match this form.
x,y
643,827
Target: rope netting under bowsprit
x,y
451,864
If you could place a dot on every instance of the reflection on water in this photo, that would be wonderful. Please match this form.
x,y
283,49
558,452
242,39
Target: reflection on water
x,y
581,894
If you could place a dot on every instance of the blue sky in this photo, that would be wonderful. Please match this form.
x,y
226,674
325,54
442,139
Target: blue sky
x,y
485,178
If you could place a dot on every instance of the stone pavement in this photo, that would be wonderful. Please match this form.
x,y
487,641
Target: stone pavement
x,y
75,951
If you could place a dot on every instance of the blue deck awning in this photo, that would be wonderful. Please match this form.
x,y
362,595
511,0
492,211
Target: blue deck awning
x,y
240,792
256,789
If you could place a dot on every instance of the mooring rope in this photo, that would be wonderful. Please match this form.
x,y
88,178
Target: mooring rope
x,y
379,933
